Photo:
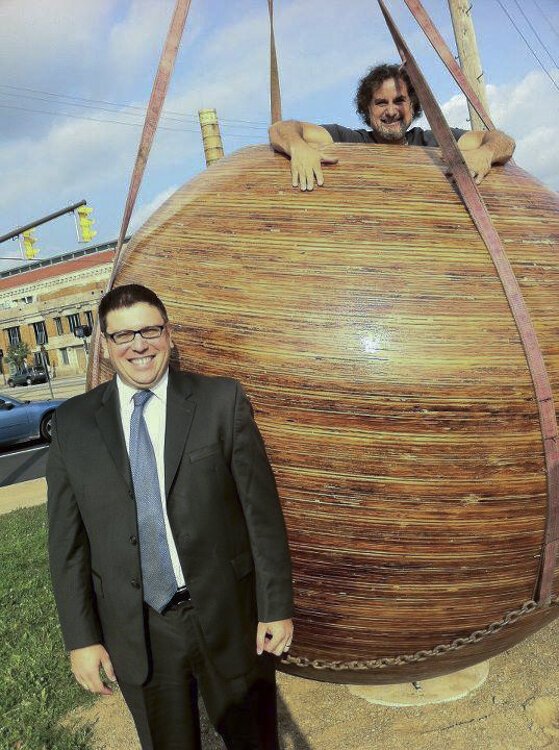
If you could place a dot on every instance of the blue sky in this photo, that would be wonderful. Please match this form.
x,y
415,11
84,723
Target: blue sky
x,y
74,69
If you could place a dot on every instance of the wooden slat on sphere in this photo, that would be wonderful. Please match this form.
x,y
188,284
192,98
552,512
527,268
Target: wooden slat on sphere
x,y
371,331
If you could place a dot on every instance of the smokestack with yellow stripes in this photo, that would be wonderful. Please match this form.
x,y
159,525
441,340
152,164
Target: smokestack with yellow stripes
x,y
211,137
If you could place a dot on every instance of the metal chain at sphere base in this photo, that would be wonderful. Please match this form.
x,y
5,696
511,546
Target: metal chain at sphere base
x,y
395,661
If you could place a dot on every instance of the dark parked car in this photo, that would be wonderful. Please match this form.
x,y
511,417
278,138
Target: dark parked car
x,y
27,376
25,420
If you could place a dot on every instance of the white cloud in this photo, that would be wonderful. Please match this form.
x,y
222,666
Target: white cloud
x,y
537,152
70,156
135,42
38,39
527,111
144,211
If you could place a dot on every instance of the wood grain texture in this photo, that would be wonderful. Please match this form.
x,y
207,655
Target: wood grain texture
x,y
368,325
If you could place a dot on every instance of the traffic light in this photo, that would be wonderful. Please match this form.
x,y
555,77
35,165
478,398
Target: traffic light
x,y
27,242
84,224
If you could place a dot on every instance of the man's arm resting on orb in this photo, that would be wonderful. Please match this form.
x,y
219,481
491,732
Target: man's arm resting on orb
x,y
483,148
303,143
86,663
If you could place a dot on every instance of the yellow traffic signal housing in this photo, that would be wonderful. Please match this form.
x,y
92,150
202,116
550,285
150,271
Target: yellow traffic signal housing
x,y
27,242
84,224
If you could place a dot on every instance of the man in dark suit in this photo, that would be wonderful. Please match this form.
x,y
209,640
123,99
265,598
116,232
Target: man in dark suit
x,y
168,551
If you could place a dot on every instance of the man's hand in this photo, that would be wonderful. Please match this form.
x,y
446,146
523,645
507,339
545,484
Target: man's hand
x,y
303,143
306,165
483,148
479,162
86,662
274,637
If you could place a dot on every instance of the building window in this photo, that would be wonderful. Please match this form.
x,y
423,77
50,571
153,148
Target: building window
x,y
14,336
58,324
64,355
89,316
73,321
40,333
41,359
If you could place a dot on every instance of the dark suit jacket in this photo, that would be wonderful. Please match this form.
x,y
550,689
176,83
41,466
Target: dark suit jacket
x,y
223,509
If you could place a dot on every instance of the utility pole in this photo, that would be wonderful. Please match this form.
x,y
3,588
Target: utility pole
x,y
461,12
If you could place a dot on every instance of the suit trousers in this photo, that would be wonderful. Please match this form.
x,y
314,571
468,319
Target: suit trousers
x,y
165,708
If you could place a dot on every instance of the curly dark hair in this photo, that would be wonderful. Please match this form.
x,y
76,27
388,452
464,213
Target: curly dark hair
x,y
375,78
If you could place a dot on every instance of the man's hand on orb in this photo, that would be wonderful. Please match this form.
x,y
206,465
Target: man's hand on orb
x,y
306,165
478,161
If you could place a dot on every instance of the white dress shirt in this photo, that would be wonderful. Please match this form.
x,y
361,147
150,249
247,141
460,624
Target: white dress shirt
x,y
155,415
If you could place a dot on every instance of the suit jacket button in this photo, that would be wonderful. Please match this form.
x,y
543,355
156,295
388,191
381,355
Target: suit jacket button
x,y
133,539
135,584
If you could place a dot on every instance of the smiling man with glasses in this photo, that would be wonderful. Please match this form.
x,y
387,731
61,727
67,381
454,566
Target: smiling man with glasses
x,y
136,339
163,516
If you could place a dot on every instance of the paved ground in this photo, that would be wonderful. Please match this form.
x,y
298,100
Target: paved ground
x,y
24,463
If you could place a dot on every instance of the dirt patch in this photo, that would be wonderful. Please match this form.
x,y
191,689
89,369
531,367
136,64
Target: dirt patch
x,y
517,708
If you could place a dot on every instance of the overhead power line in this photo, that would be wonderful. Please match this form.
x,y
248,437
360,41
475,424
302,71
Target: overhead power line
x,y
109,121
536,33
91,119
552,27
527,43
93,104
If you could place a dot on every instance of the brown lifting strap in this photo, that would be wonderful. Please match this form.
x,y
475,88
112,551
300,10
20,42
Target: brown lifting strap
x,y
275,92
443,51
157,99
480,216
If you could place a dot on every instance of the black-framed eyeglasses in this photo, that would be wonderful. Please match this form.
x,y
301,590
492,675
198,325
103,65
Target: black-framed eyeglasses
x,y
125,337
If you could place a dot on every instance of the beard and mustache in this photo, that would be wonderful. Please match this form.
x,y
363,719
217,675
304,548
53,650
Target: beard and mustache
x,y
391,131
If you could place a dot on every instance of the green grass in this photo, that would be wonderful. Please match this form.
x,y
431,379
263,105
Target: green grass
x,y
36,686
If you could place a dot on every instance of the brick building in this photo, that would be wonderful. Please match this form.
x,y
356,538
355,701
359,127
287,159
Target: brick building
x,y
42,304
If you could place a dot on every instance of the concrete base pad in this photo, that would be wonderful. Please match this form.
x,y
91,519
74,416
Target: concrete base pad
x,y
435,690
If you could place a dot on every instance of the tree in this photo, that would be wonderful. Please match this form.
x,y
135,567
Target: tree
x,y
17,354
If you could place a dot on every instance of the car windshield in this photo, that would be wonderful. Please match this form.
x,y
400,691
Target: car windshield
x,y
11,400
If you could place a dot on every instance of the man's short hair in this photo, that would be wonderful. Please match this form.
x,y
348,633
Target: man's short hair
x,y
126,296
375,78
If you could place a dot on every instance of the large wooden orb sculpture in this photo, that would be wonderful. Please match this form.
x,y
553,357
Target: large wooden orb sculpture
x,y
371,331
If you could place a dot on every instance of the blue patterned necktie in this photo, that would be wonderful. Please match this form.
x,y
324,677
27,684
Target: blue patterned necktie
x,y
158,577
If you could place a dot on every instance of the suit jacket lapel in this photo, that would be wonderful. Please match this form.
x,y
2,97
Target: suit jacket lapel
x,y
180,413
110,425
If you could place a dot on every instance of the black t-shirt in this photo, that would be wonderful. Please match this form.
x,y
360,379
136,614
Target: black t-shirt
x,y
414,137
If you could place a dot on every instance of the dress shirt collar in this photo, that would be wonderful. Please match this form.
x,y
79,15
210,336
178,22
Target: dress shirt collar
x,y
126,392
